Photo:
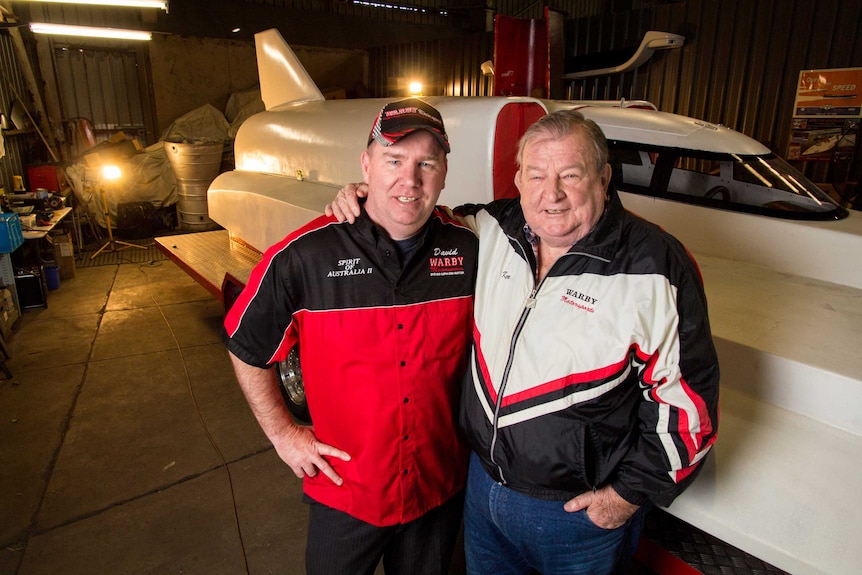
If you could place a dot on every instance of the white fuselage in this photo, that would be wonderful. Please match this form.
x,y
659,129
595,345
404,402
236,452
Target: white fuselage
x,y
785,297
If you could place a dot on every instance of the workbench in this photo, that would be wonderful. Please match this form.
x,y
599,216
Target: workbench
x,y
38,232
30,278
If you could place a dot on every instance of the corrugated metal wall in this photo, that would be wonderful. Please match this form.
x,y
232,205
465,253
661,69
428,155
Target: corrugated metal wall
x,y
436,11
407,11
102,86
16,144
95,79
464,76
445,68
84,15
740,63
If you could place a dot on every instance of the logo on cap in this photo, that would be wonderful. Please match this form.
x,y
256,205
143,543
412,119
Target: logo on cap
x,y
399,119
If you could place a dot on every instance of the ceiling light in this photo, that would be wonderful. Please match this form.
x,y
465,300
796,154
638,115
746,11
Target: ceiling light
x,y
90,32
161,4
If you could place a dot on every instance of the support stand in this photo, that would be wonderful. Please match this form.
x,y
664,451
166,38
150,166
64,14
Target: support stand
x,y
111,244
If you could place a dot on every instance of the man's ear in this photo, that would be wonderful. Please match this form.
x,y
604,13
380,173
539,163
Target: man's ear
x,y
606,176
364,160
518,180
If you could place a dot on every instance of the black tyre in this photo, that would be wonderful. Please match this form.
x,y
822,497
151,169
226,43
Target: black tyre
x,y
292,390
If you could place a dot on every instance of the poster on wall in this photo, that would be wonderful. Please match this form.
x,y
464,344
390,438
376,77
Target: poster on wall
x,y
823,139
826,115
834,92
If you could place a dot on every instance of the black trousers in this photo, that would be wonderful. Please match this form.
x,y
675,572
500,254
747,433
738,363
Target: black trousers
x,y
339,544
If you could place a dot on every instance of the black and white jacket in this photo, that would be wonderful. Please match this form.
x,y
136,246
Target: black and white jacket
x,y
603,373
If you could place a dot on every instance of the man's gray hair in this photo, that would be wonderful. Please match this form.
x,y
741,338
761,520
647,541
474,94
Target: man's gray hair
x,y
562,123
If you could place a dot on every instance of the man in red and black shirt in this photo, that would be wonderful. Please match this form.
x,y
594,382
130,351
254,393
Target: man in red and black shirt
x,y
382,314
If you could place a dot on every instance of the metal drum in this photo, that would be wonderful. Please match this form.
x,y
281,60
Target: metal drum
x,y
195,166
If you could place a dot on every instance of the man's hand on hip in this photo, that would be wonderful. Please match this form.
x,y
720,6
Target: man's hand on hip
x,y
604,507
306,456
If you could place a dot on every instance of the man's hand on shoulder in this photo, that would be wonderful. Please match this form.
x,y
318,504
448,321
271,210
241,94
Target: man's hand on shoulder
x,y
345,206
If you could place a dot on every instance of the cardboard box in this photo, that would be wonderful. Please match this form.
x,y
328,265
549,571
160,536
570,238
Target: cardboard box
x,y
8,312
64,255
6,301
7,322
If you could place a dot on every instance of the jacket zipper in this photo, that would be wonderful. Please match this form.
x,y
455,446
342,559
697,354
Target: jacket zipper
x,y
528,306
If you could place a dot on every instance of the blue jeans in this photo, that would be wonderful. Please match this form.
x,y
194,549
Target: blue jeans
x,y
508,533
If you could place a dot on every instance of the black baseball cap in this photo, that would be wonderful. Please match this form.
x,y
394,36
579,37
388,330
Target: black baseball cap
x,y
401,118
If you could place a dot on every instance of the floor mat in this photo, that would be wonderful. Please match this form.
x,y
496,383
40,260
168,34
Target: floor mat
x,y
148,252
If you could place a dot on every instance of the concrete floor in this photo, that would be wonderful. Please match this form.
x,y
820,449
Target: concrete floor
x,y
114,432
